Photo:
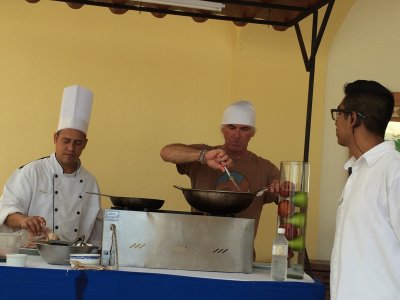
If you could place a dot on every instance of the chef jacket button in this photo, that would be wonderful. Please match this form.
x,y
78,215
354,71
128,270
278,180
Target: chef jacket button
x,y
78,212
56,227
56,192
55,175
81,180
56,209
80,196
76,230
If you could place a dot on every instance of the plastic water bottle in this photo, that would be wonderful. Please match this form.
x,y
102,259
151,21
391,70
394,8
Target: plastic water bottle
x,y
279,256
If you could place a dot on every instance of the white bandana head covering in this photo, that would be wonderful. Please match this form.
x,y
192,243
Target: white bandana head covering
x,y
241,112
76,107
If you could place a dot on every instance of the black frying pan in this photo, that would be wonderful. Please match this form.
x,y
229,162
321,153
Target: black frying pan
x,y
133,203
219,202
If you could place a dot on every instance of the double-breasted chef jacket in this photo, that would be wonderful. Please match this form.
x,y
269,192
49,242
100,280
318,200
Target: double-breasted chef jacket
x,y
40,188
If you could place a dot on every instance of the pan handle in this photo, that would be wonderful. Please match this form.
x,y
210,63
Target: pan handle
x,y
261,192
99,194
179,187
258,193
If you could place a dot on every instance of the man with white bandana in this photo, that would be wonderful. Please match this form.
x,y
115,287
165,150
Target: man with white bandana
x,y
49,194
204,164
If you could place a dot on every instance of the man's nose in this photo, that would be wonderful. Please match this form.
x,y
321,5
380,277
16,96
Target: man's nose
x,y
236,133
71,146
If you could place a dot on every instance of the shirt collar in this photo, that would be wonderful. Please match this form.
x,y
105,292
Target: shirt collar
x,y
371,156
59,169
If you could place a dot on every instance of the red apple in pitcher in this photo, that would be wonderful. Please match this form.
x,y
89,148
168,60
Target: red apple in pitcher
x,y
290,254
291,232
286,189
285,208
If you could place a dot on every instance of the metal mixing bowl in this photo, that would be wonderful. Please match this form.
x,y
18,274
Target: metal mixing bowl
x,y
59,255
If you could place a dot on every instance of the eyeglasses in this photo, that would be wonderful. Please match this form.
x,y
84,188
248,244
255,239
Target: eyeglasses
x,y
335,113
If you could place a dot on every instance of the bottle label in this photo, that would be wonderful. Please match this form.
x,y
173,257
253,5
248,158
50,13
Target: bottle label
x,y
280,250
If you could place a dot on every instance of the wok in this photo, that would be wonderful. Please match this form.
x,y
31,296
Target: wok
x,y
133,203
219,202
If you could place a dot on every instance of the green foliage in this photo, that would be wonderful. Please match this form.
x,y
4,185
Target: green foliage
x,y
397,142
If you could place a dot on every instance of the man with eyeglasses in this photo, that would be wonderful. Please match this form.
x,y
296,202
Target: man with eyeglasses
x,y
365,261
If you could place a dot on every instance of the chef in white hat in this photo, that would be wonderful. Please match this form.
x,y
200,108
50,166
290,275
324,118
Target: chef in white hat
x,y
49,194
205,164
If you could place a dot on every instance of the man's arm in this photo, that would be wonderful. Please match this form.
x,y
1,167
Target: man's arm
x,y
15,202
33,224
180,153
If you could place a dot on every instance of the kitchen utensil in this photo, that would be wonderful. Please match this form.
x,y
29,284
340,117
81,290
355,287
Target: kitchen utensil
x,y
114,246
29,251
219,202
78,241
58,242
88,259
231,178
133,203
9,243
59,254
16,259
260,192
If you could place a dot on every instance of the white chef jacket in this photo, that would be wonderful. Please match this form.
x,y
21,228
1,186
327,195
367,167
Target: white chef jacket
x,y
40,188
365,262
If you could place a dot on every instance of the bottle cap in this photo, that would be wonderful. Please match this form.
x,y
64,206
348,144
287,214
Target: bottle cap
x,y
281,230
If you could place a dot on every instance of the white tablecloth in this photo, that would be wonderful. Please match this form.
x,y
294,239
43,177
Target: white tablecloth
x,y
261,271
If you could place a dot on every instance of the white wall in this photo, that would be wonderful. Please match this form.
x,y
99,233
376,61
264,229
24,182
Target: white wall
x,y
367,46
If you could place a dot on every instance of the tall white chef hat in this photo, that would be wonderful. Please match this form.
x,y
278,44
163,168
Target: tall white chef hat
x,y
240,112
76,107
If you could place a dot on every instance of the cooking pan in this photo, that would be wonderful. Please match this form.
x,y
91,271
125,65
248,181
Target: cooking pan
x,y
219,202
133,203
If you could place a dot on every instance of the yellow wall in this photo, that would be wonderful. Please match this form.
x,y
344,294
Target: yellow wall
x,y
155,81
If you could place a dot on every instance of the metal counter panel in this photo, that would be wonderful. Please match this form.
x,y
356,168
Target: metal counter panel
x,y
179,241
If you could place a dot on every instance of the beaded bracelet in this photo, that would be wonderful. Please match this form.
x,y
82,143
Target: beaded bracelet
x,y
202,156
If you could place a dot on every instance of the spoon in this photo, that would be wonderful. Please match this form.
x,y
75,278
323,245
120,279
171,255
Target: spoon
x,y
73,242
79,241
231,178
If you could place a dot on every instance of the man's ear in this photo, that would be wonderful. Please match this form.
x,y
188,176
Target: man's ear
x,y
84,146
55,138
253,131
355,120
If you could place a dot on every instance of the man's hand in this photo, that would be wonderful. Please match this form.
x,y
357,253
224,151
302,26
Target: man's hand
x,y
33,224
218,159
274,186
284,189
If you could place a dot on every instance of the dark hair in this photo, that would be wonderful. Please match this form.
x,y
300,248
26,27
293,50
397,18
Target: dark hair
x,y
372,100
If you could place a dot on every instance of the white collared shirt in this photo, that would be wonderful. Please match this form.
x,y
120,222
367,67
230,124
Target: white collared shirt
x,y
40,188
365,261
